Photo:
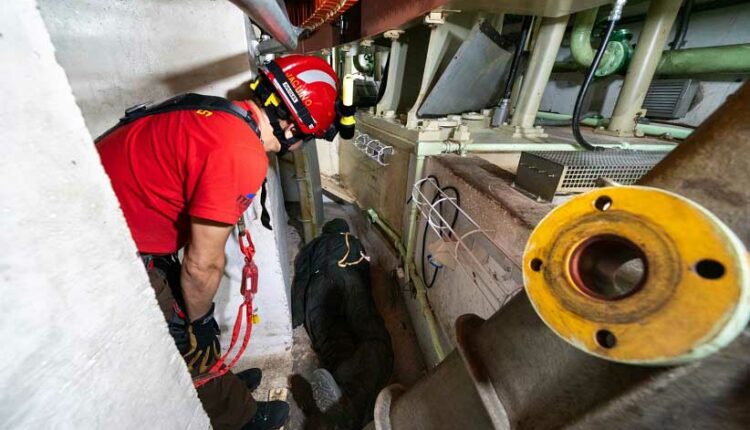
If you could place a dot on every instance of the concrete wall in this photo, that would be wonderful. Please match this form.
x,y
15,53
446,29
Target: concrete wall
x,y
273,335
328,156
725,26
118,54
84,343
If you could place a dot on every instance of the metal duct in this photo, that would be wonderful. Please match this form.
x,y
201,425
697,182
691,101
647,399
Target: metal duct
x,y
271,16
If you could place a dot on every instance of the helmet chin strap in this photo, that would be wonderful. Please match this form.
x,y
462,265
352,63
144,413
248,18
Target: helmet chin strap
x,y
280,133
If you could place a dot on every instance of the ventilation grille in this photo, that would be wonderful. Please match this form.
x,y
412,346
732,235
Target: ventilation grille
x,y
670,98
544,174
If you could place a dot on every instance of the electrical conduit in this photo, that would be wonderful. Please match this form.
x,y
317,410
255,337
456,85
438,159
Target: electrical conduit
x,y
419,286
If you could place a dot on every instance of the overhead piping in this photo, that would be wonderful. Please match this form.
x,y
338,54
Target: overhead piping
x,y
271,16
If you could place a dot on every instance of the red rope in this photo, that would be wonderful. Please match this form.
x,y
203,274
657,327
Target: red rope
x,y
245,311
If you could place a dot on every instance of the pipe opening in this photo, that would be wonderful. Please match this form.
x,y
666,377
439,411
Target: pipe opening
x,y
608,267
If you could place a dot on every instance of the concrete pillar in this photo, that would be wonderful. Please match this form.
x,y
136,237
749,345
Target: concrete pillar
x,y
660,17
84,342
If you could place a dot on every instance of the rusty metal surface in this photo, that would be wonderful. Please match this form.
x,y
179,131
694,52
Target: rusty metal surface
x,y
324,37
712,167
379,16
541,382
495,183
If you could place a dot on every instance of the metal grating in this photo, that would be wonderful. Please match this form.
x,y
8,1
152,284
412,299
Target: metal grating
x,y
670,98
544,174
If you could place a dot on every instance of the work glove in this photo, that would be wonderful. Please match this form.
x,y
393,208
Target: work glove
x,y
197,341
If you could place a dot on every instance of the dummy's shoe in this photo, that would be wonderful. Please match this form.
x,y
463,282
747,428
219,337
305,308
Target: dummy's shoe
x,y
251,378
269,416
326,391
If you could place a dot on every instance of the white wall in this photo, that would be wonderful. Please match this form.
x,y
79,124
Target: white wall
x,y
84,344
725,26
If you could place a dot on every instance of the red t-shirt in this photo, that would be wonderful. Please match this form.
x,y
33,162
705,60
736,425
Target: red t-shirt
x,y
168,167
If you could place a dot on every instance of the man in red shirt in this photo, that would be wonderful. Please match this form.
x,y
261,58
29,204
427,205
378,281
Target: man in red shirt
x,y
184,172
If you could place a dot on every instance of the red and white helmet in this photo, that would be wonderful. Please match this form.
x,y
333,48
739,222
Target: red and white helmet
x,y
307,86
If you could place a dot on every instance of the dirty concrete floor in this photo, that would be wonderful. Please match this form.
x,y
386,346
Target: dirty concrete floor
x,y
408,362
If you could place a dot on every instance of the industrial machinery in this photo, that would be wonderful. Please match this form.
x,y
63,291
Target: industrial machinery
x,y
575,251
554,196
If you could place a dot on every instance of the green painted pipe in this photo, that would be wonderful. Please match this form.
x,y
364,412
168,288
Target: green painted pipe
x,y
580,38
659,130
615,56
729,59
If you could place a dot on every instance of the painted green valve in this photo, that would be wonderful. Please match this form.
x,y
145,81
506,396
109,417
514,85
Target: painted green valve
x,y
618,54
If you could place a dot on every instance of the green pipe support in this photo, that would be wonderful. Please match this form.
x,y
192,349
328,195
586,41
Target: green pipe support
x,y
419,286
616,56
658,130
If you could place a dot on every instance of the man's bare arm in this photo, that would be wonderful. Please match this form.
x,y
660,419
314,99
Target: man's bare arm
x,y
203,265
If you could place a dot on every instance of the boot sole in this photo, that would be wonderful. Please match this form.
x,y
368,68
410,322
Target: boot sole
x,y
326,391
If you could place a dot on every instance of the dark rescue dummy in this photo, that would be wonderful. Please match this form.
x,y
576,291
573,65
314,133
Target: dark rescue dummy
x,y
332,298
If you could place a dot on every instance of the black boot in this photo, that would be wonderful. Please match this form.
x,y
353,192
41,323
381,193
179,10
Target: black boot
x,y
269,416
251,378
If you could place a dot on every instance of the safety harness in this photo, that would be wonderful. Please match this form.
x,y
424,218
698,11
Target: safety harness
x,y
249,285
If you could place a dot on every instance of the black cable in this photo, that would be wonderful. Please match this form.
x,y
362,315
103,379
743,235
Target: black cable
x,y
427,226
515,64
384,80
585,87
503,107
682,25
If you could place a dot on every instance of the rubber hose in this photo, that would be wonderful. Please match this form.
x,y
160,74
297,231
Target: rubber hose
x,y
585,87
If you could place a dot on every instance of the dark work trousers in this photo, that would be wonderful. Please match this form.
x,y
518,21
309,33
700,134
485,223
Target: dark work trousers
x,y
226,399
349,336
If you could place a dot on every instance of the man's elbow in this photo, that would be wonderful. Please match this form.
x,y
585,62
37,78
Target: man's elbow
x,y
201,268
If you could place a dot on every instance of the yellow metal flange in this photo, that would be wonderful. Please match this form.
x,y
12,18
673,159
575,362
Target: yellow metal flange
x,y
638,275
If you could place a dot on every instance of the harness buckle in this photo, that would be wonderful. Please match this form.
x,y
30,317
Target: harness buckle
x,y
137,108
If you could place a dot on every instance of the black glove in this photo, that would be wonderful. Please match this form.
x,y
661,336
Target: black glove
x,y
198,341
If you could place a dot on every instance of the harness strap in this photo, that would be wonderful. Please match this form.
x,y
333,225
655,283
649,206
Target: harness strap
x,y
187,101
265,218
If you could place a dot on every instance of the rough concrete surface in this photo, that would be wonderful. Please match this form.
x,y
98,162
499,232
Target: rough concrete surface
x,y
120,53
85,344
